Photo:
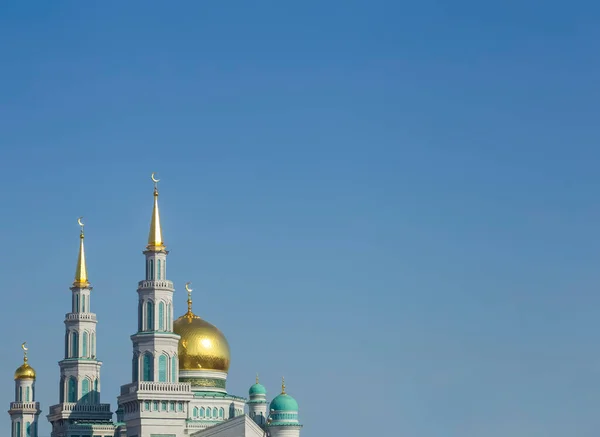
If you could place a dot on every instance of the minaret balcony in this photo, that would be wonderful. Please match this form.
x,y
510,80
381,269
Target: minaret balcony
x,y
80,411
164,284
77,317
155,387
26,406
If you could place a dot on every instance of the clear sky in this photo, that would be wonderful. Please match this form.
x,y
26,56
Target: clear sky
x,y
395,205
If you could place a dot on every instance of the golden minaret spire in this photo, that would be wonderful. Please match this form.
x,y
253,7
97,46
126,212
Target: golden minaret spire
x,y
81,278
155,241
189,315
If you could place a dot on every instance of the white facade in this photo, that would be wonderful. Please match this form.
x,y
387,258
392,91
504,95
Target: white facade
x,y
24,411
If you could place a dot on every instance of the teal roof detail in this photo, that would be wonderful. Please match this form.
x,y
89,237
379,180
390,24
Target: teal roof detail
x,y
284,402
258,389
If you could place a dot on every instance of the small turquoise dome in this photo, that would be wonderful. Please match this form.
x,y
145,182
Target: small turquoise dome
x,y
284,402
258,389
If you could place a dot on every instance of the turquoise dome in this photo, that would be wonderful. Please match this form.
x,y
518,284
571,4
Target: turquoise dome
x,y
284,402
258,389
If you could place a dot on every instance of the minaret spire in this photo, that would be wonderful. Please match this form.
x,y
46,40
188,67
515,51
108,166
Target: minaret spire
x,y
81,278
155,241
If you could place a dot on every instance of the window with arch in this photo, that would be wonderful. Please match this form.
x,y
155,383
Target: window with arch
x,y
18,429
84,346
161,316
168,327
96,392
85,389
149,316
148,370
28,394
159,269
20,394
140,307
162,368
174,368
93,345
208,412
151,265
72,390
195,413
221,412
83,303
62,389
135,365
202,412
76,303
74,344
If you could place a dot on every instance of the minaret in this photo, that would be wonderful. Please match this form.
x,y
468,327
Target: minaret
x,y
257,404
283,416
155,312
24,411
155,388
79,387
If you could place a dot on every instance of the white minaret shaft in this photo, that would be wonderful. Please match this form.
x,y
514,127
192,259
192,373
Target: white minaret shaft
x,y
79,386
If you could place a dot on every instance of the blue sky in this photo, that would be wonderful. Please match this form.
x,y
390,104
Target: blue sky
x,y
395,205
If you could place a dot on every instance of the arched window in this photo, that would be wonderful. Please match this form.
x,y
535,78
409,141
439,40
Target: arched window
x,y
18,432
20,394
215,412
140,306
168,327
158,269
221,411
148,368
74,344
151,270
147,275
96,392
162,368
161,316
83,303
72,390
62,389
33,430
85,389
93,345
135,365
76,303
27,394
149,316
208,412
202,412
66,344
173,368
85,344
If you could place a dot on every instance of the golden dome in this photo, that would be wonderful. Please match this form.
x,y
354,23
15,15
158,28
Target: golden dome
x,y
25,371
202,346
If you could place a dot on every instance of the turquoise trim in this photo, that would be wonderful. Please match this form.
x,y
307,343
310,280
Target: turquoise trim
x,y
258,401
284,402
258,389
298,424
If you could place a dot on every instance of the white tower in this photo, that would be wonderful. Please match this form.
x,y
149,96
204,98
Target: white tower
x,y
283,416
24,411
258,404
79,409
155,402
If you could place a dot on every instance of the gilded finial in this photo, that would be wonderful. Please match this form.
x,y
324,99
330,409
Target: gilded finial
x,y
257,378
81,278
283,385
190,315
155,242
25,349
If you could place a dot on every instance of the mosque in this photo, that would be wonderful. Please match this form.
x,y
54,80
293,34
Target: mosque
x,y
178,371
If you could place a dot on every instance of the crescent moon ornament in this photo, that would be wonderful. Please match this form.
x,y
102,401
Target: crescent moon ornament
x,y
79,222
24,347
153,178
187,287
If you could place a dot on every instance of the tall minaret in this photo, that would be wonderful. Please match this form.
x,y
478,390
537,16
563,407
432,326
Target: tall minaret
x,y
79,386
283,416
155,388
155,312
24,411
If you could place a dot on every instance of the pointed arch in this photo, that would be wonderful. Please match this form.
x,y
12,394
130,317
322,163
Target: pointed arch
x,y
74,344
18,427
83,303
202,411
162,368
76,303
96,391
149,316
28,394
195,414
72,390
158,269
174,369
93,345
148,367
161,316
215,412
20,393
84,345
221,412
151,264
85,389
62,389
168,328
135,367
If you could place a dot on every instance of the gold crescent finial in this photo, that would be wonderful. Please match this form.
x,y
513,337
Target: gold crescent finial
x,y
282,385
25,349
81,224
156,181
189,301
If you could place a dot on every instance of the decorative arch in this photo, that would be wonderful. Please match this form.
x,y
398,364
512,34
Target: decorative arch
x,y
195,413
161,316
83,303
162,368
149,316
148,367
174,368
72,390
74,344
85,389
135,367
202,411
84,344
